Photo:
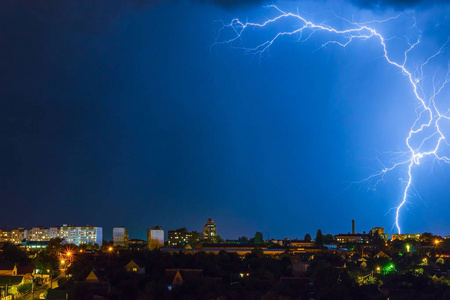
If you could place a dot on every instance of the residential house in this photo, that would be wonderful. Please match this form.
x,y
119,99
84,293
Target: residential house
x,y
7,268
177,277
27,272
381,254
135,266
97,283
11,283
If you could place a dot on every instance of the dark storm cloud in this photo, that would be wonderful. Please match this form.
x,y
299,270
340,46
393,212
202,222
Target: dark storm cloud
x,y
397,4
64,11
86,12
230,4
371,4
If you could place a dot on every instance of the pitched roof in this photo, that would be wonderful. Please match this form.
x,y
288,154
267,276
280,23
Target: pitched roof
x,y
187,275
92,276
6,265
381,254
135,263
177,280
10,280
22,270
95,276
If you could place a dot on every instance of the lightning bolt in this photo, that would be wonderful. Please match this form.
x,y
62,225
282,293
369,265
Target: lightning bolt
x,y
429,118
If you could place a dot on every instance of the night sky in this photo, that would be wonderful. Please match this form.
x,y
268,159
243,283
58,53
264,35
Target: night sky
x,y
127,114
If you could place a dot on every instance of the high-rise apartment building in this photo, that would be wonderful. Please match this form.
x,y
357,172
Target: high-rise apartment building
x,y
14,236
37,234
209,231
182,237
120,236
404,236
81,235
155,237
17,235
380,232
179,237
71,234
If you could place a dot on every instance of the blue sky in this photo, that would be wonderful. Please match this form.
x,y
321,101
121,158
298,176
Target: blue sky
x,y
119,114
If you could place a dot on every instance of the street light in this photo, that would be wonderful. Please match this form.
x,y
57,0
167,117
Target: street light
x,y
51,278
408,247
436,244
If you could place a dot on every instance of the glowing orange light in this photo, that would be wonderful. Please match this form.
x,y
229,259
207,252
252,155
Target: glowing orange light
x,y
110,249
436,242
62,261
69,253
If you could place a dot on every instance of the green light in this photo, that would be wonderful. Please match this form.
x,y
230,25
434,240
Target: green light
x,y
389,268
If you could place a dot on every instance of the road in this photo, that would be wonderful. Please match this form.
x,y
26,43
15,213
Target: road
x,y
41,289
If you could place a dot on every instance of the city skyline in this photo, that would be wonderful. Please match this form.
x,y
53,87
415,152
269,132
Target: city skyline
x,y
121,237
110,118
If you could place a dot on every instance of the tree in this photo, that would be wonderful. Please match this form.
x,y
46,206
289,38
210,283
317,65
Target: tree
x,y
327,238
83,247
194,238
13,253
426,237
243,240
307,238
24,288
446,244
106,244
258,239
47,263
398,244
318,242
257,251
219,239
54,246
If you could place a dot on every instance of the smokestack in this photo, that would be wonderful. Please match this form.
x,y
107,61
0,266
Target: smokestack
x,y
353,226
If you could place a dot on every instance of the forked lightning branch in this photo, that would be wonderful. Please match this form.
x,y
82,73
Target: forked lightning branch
x,y
428,126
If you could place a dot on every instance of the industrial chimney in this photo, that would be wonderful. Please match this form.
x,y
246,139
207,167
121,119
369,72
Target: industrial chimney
x,y
353,226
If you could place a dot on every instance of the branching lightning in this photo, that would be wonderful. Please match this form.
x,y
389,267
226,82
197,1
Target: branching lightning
x,y
426,127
